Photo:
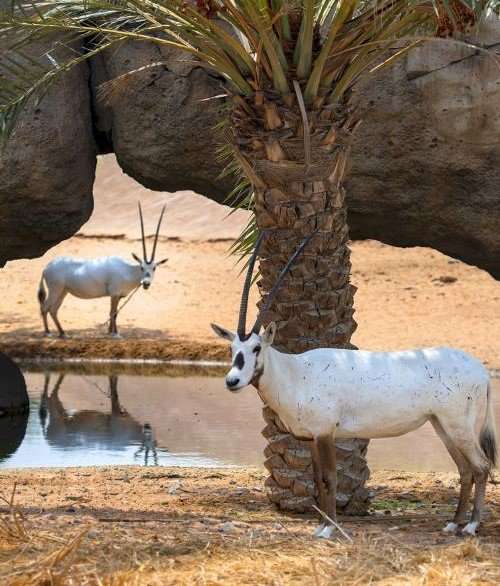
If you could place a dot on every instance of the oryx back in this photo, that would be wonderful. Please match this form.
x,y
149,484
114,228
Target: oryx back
x,y
378,394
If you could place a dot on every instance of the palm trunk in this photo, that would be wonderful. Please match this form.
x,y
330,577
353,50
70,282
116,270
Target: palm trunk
x,y
314,307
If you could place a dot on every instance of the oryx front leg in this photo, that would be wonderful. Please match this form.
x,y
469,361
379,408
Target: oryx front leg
x,y
113,330
325,466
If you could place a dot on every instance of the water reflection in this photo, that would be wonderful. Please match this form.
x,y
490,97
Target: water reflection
x,y
148,445
88,427
169,417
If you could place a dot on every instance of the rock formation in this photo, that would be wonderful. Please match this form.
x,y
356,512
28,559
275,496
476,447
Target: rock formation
x,y
47,170
13,395
425,163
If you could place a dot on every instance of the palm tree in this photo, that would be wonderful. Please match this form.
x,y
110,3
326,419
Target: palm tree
x,y
289,68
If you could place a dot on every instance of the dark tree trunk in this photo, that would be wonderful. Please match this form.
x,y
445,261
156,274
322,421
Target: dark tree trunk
x,y
298,189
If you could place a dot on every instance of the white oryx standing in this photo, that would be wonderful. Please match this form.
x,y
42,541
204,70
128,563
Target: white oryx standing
x,y
109,276
327,394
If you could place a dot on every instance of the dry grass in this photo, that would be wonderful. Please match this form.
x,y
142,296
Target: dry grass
x,y
145,527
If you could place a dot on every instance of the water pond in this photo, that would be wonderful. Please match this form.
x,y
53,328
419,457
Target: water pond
x,y
169,416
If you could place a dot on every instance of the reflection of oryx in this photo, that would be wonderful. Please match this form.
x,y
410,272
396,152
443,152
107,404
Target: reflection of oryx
x,y
148,445
87,428
328,393
110,276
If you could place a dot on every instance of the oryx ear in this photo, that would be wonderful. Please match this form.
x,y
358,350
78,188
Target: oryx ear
x,y
222,332
161,262
269,333
135,257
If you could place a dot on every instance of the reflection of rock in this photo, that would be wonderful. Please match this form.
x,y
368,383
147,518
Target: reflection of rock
x,y
12,430
426,160
13,395
47,171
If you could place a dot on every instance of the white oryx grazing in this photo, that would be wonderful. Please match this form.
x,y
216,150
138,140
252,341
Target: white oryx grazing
x,y
109,276
328,394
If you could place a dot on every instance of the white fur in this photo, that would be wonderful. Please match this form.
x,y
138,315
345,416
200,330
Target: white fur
x,y
335,394
352,393
470,528
355,393
110,276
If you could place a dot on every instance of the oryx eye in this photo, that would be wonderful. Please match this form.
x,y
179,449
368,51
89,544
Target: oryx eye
x,y
257,349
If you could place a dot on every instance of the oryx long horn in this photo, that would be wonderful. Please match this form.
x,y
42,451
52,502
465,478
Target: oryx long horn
x,y
246,288
157,234
279,281
144,253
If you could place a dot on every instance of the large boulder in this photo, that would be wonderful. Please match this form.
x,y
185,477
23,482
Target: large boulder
x,y
13,394
47,170
161,121
426,159
425,162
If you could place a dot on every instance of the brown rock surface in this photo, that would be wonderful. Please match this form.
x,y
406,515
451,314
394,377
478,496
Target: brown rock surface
x,y
47,171
161,131
425,162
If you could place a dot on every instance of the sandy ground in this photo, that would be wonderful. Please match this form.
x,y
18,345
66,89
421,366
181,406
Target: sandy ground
x,y
138,527
406,298
133,526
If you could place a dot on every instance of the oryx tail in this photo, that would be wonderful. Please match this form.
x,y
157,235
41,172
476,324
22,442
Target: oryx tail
x,y
487,437
42,293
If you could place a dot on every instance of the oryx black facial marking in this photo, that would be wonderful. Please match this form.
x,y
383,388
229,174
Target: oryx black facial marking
x,y
239,360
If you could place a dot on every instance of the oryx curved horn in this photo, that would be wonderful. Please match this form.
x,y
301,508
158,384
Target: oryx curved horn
x,y
279,281
246,288
157,234
144,253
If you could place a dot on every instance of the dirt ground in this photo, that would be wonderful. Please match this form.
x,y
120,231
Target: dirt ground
x,y
136,526
406,298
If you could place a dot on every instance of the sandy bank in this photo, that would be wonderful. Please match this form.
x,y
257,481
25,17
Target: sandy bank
x,y
406,298
149,526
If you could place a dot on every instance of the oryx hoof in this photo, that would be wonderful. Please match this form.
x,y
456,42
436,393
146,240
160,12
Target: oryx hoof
x,y
324,531
470,529
48,335
63,336
116,336
450,528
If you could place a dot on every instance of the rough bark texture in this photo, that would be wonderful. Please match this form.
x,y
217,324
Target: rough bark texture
x,y
314,307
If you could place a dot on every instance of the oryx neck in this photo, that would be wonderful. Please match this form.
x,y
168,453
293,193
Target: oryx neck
x,y
274,370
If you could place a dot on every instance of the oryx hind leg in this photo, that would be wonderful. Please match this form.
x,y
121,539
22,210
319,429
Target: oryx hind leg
x,y
54,308
466,477
466,440
46,329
